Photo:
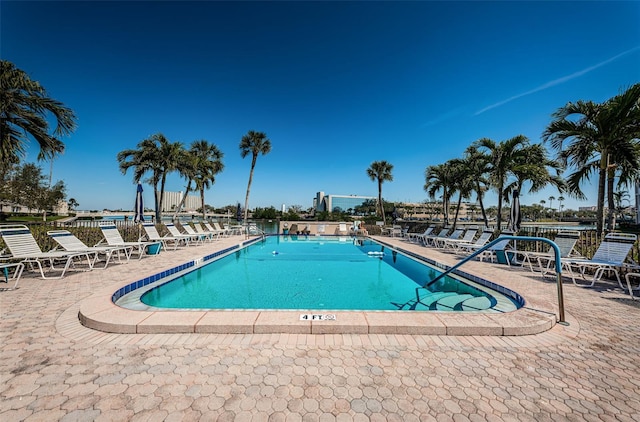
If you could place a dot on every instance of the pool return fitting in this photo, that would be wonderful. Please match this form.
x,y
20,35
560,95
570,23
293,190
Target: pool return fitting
x,y
558,264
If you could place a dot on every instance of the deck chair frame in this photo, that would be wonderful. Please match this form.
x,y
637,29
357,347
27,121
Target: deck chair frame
x,y
23,247
69,242
113,237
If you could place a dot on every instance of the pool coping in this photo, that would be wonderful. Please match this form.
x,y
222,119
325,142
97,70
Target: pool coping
x,y
99,312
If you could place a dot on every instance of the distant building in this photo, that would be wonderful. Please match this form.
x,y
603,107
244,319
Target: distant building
x,y
339,203
171,200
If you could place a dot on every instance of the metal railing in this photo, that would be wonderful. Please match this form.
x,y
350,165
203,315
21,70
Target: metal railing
x,y
558,266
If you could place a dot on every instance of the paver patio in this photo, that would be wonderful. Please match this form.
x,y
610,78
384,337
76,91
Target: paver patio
x,y
53,368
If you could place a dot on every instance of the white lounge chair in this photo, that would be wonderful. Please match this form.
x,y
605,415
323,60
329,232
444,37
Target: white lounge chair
x,y
217,230
197,237
152,234
413,237
498,251
450,242
210,234
23,247
438,242
565,240
70,242
465,248
609,256
113,238
428,239
224,232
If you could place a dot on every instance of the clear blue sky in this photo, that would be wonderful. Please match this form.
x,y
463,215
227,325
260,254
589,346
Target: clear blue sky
x,y
334,85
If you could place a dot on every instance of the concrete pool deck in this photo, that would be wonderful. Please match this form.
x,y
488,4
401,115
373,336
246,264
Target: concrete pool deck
x,y
53,368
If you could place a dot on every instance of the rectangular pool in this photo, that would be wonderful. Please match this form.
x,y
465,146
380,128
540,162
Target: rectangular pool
x,y
330,273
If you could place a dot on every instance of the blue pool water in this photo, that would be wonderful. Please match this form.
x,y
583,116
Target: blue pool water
x,y
311,273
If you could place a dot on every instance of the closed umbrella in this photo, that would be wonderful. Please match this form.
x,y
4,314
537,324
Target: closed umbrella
x,y
139,207
514,216
394,215
239,213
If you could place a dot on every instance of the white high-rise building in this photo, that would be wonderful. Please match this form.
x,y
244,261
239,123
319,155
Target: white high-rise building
x,y
171,200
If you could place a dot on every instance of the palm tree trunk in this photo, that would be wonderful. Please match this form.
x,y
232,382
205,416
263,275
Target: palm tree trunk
x,y
204,209
611,216
384,221
156,199
600,206
246,199
455,219
499,217
183,200
484,212
445,208
161,198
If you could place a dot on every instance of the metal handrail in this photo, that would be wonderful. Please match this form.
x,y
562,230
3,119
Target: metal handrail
x,y
258,230
558,265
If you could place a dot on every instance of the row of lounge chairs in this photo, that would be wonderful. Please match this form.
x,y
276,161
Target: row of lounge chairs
x,y
72,253
610,257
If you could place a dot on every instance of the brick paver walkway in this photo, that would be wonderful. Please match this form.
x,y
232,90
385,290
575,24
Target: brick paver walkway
x,y
52,368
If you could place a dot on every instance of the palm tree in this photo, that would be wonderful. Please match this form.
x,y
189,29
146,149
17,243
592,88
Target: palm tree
x,y
25,111
380,171
254,143
156,155
599,138
502,157
72,204
477,164
560,201
463,183
551,199
200,164
209,164
440,178
515,163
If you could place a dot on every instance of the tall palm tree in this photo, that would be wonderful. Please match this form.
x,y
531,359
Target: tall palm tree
x,y
503,158
441,178
551,199
599,138
463,183
380,171
25,110
254,143
477,165
155,155
209,164
187,168
199,164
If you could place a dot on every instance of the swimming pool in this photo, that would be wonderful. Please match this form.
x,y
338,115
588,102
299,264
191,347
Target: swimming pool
x,y
320,273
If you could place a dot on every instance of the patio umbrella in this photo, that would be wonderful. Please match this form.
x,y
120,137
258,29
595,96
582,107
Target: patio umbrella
x,y
514,215
394,215
139,207
239,212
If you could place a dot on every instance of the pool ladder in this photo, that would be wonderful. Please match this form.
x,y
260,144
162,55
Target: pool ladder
x,y
558,265
252,228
